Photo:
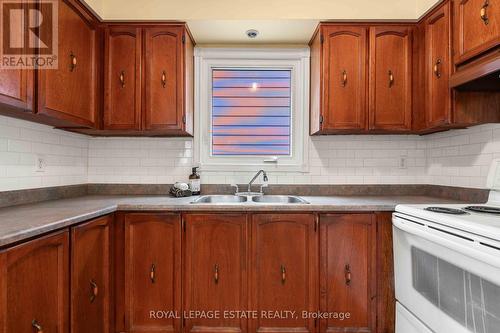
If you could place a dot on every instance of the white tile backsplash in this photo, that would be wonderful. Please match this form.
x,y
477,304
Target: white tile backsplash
x,y
457,158
66,155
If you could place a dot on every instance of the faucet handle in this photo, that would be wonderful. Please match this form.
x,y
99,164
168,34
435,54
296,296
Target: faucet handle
x,y
236,188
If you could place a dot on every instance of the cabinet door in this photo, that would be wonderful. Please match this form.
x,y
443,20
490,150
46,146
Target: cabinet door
x,y
164,79
122,88
390,78
345,67
438,68
152,272
69,93
90,276
283,272
476,28
34,286
347,276
216,270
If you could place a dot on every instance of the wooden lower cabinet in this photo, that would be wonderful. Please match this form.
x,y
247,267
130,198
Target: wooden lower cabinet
x,y
348,272
34,286
283,272
215,266
91,276
152,272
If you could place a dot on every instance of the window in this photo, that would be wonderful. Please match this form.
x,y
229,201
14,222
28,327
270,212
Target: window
x,y
251,109
251,112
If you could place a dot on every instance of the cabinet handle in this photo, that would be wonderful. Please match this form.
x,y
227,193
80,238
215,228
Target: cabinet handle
x,y
37,326
216,273
391,79
484,12
347,274
94,291
72,65
122,78
436,70
164,79
283,274
152,273
343,81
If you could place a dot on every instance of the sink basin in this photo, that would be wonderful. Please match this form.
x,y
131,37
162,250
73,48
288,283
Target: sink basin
x,y
279,199
220,199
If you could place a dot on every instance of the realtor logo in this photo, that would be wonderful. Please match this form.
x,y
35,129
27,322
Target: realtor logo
x,y
29,35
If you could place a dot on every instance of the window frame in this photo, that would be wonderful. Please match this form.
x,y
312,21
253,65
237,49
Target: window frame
x,y
294,59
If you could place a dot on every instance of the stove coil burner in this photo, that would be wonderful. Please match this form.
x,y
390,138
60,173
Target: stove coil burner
x,y
484,209
446,210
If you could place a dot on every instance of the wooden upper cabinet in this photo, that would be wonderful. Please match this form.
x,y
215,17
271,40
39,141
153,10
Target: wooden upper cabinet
x,y
152,264
70,92
438,67
216,270
34,286
16,88
122,77
476,27
348,272
166,57
283,271
91,276
390,78
345,55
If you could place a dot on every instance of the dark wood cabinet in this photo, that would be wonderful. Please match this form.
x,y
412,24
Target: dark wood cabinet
x,y
390,81
215,266
69,94
348,272
16,89
283,271
91,276
151,92
34,286
476,27
122,77
152,272
343,63
438,67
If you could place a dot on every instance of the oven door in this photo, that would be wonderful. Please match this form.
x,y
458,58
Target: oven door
x,y
449,281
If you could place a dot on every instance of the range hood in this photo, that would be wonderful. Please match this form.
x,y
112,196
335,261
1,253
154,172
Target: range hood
x,y
481,75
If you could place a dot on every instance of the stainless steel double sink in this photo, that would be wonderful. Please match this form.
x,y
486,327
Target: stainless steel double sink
x,y
249,199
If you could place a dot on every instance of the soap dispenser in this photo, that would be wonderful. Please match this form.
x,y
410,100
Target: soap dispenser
x,y
195,182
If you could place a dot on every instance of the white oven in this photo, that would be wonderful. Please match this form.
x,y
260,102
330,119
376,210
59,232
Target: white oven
x,y
447,280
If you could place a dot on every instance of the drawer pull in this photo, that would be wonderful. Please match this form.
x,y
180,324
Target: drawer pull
x,y
391,79
283,274
436,70
347,273
94,291
343,81
484,12
164,79
152,273
122,79
36,325
72,65
216,273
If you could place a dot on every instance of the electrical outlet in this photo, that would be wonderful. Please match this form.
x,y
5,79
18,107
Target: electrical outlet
x,y
403,162
40,164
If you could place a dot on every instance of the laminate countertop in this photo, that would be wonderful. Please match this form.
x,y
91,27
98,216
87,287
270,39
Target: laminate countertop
x,y
22,222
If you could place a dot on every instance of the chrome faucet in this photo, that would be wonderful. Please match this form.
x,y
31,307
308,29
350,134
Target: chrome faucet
x,y
264,177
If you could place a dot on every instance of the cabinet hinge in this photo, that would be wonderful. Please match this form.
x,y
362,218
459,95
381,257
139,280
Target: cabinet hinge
x,y
183,39
321,39
184,119
321,119
316,224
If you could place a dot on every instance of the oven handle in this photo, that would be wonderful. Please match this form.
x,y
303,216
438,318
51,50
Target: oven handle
x,y
467,248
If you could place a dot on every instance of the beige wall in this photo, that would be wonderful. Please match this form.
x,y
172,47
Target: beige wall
x,y
260,9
